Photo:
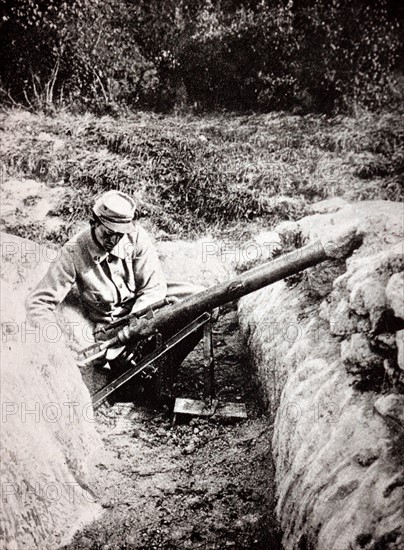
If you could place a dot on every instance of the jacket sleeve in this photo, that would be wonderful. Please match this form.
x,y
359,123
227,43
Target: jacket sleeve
x,y
150,282
52,289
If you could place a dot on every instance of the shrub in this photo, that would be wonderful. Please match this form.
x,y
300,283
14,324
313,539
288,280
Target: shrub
x,y
75,53
307,55
348,52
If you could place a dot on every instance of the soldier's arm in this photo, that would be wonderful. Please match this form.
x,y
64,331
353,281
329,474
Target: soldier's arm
x,y
53,288
150,282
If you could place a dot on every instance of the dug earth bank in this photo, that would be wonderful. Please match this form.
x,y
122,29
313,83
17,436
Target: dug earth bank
x,y
326,345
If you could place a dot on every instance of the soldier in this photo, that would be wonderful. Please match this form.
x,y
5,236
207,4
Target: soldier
x,y
113,265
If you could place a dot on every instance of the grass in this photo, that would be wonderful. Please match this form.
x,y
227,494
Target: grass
x,y
217,173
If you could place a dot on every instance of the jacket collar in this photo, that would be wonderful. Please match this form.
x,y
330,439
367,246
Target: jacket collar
x,y
99,254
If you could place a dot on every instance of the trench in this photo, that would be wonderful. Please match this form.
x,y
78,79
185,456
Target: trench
x,y
198,483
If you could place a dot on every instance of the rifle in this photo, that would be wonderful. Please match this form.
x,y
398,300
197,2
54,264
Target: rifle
x,y
190,314
147,312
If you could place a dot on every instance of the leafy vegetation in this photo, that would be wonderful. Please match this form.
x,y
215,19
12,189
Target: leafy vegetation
x,y
306,55
218,173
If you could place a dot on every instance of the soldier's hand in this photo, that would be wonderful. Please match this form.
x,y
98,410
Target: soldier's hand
x,y
101,333
276,250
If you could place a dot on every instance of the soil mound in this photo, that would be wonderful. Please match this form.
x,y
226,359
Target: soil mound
x,y
48,431
328,347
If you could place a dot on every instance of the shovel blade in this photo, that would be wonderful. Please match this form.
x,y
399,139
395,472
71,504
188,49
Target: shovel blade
x,y
198,407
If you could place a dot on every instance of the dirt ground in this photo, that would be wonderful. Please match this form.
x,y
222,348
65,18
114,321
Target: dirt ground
x,y
195,483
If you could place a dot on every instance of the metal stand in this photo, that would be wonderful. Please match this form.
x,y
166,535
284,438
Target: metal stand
x,y
208,406
209,392
149,360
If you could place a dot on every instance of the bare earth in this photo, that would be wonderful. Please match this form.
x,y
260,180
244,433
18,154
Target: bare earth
x,y
196,484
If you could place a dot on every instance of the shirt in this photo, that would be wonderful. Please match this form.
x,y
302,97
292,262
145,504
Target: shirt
x,y
110,284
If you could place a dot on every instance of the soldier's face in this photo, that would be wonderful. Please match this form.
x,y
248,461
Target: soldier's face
x,y
107,238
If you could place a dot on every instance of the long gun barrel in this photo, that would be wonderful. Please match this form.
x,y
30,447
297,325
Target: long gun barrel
x,y
178,315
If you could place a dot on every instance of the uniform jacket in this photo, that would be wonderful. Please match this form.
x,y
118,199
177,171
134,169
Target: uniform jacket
x,y
110,284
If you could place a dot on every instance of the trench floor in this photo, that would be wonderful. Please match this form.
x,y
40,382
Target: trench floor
x,y
197,484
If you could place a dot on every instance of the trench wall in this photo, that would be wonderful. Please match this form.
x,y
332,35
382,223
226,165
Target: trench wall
x,y
49,444
328,348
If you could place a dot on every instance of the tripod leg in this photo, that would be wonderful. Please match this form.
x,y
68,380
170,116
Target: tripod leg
x,y
209,366
155,385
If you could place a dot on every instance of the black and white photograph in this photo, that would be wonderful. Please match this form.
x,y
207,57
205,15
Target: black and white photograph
x,y
202,275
